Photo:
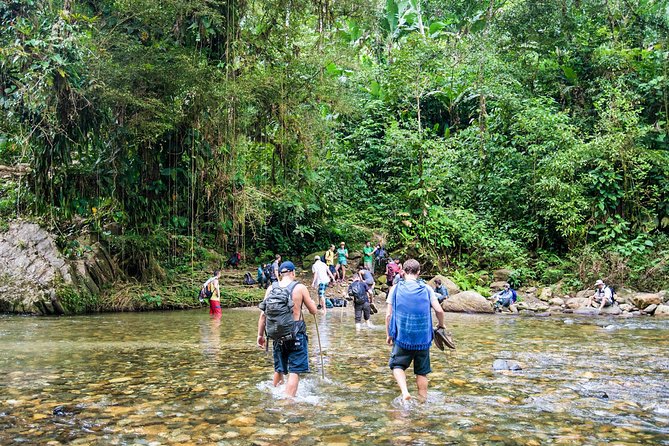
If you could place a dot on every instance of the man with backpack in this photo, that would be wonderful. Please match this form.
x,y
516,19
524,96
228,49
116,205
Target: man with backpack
x,y
322,276
603,295
409,327
282,320
380,255
504,298
358,290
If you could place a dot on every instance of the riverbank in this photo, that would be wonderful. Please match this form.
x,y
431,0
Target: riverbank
x,y
47,275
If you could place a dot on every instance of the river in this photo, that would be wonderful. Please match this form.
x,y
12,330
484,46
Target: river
x,y
178,378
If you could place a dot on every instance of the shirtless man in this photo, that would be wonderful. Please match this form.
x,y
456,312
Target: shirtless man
x,y
290,357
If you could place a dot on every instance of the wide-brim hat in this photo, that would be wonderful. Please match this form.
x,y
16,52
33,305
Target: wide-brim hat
x,y
443,338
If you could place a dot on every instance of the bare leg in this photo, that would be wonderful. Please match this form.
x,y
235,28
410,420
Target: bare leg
x,y
291,385
421,382
278,379
323,306
401,379
343,273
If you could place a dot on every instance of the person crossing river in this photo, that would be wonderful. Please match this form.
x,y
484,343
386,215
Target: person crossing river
x,y
282,320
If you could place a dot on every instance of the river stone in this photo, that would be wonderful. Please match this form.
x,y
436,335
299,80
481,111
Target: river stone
x,y
501,275
382,279
664,295
624,295
662,311
497,286
585,294
577,302
467,302
381,295
546,294
556,301
506,364
642,300
448,283
650,309
588,311
612,310
626,307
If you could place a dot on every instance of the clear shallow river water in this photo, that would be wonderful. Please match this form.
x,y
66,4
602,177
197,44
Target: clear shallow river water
x,y
177,378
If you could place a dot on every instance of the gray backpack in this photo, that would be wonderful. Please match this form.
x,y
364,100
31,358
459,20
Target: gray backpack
x,y
278,309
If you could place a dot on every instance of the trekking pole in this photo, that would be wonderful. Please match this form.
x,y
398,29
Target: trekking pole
x,y
320,349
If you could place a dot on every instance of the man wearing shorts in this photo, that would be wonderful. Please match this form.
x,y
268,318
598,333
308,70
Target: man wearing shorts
x,y
290,357
322,276
409,328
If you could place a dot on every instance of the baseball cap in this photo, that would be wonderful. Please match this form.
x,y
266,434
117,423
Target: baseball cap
x,y
286,267
317,257
599,282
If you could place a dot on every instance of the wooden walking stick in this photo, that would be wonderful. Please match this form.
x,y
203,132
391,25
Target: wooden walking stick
x,y
320,349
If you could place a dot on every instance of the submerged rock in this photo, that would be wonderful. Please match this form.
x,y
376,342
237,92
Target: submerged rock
x,y
587,311
506,364
467,302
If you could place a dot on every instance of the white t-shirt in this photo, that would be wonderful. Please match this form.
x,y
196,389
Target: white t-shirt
x,y
320,269
393,290
605,293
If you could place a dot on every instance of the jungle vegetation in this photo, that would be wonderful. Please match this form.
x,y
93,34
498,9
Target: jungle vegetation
x,y
472,134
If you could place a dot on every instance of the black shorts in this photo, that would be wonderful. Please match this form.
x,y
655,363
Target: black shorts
x,y
401,359
360,311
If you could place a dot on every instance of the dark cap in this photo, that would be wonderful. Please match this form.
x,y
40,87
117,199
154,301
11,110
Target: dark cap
x,y
286,267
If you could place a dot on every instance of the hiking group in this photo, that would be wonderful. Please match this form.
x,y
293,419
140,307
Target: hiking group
x,y
409,306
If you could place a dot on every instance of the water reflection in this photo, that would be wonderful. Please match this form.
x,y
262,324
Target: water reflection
x,y
182,378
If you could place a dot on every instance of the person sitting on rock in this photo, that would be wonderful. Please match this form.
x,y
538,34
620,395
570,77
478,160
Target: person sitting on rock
x,y
440,290
504,298
602,295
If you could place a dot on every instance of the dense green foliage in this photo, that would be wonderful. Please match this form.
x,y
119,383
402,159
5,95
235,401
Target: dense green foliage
x,y
474,134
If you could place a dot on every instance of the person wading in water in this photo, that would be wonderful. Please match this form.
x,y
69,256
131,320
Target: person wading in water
x,y
282,319
409,327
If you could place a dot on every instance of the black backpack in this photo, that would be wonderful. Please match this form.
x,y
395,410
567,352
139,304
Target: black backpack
x,y
358,291
278,309
269,271
248,280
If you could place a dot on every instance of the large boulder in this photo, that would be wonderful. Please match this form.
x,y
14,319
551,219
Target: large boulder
x,y
453,289
467,302
308,260
30,260
662,311
642,300
546,294
577,302
501,275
